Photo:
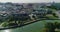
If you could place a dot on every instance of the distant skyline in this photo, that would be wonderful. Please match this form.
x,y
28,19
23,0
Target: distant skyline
x,y
29,1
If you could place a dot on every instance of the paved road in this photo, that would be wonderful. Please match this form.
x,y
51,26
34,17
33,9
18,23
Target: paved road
x,y
34,27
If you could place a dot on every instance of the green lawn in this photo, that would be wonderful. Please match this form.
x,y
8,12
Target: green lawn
x,y
36,27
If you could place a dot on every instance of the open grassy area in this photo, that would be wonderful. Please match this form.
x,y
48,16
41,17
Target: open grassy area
x,y
37,27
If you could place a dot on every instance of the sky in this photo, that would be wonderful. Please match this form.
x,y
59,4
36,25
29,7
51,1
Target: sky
x,y
29,1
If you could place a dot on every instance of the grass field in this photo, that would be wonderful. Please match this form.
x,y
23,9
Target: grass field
x,y
37,27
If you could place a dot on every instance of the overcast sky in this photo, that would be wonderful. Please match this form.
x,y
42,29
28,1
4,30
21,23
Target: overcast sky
x,y
29,1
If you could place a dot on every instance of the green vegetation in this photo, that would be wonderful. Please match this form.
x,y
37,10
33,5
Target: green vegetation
x,y
52,26
55,15
52,7
20,20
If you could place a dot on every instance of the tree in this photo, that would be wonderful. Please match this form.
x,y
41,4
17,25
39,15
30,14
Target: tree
x,y
50,26
52,7
55,15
